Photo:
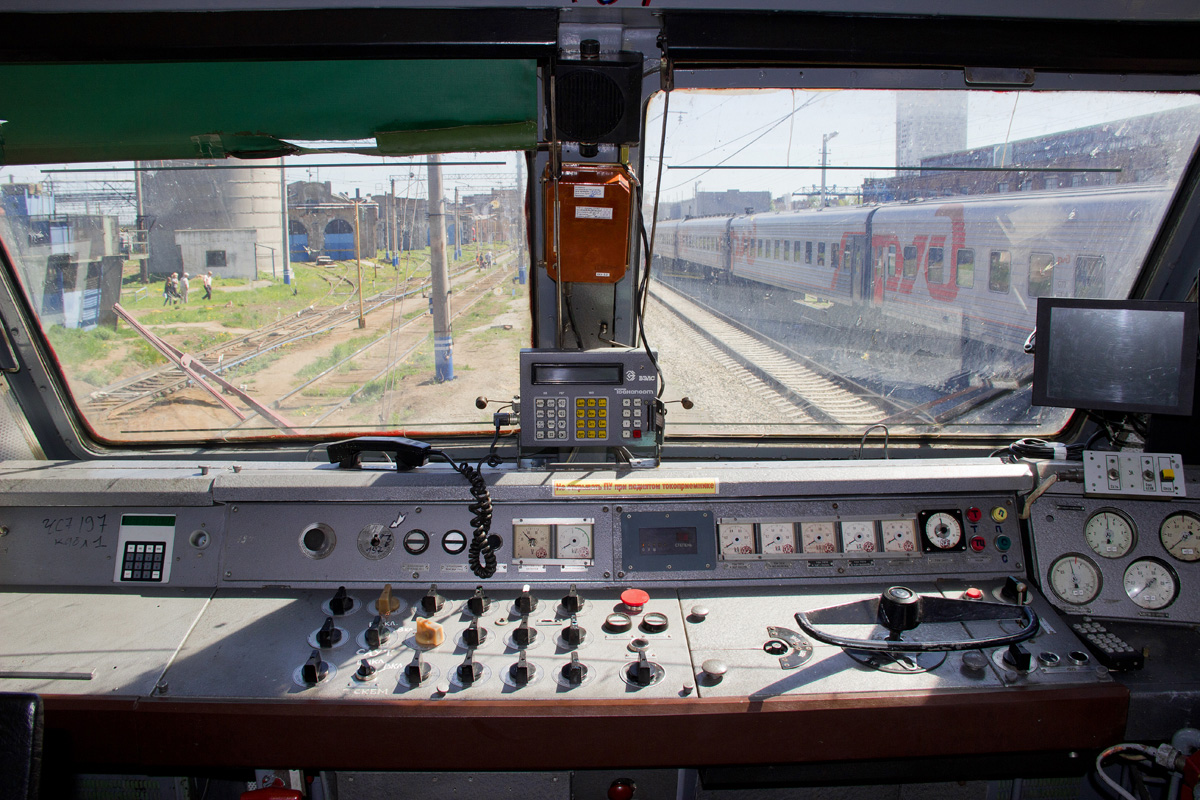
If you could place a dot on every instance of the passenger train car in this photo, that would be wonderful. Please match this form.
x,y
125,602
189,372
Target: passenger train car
x,y
607,502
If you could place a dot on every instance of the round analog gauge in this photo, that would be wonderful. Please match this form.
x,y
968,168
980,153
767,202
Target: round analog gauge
x,y
1110,533
574,541
1180,535
1151,584
737,538
858,536
818,537
531,541
943,530
778,538
375,542
899,535
1075,579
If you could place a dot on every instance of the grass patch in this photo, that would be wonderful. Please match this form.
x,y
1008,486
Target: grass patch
x,y
335,355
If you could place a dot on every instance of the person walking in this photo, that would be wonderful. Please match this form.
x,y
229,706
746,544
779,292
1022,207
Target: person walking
x,y
183,288
207,281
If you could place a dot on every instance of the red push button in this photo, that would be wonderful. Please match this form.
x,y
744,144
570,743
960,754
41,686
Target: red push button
x,y
621,789
974,515
978,544
634,599
973,594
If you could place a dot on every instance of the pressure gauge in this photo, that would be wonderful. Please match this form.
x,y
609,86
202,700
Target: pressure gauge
x,y
941,530
531,541
573,541
778,538
1075,579
1151,584
818,537
858,536
1110,533
899,535
737,538
1180,535
375,542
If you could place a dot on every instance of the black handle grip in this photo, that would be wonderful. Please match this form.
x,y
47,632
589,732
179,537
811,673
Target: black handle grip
x,y
407,453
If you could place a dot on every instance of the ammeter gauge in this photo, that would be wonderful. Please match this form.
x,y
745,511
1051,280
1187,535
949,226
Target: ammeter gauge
x,y
531,541
1110,533
1151,584
1180,535
737,538
941,531
899,535
778,538
858,536
1075,579
574,541
818,537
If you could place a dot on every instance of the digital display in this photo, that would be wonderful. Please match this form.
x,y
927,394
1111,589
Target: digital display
x,y
1130,356
667,541
559,374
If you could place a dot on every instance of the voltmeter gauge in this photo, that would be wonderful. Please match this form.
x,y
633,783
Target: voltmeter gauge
x,y
858,536
1075,579
1180,535
941,531
574,541
778,538
818,537
737,538
899,535
1110,533
531,541
375,542
1151,584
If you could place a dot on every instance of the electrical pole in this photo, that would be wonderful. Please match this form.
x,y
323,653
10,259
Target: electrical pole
x,y
825,137
457,230
392,249
439,277
362,320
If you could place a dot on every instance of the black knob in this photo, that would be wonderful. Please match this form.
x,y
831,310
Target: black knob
x,y
575,671
432,602
377,633
416,670
1018,658
329,635
474,635
641,671
573,634
524,635
314,670
572,602
521,672
899,609
526,602
341,603
364,671
470,670
479,602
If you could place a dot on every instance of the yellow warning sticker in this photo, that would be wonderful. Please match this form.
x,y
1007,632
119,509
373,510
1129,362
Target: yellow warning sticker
x,y
634,487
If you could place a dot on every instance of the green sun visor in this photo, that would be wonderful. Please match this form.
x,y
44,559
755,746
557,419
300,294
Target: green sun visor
x,y
124,112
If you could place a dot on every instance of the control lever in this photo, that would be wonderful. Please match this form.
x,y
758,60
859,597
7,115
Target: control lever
x,y
900,609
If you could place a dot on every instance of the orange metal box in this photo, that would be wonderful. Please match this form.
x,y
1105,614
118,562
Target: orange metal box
x,y
593,225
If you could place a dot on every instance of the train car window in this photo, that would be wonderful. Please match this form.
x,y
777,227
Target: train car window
x,y
964,275
890,267
778,250
999,271
796,252
934,272
911,262
808,252
1041,274
1089,276
833,255
820,254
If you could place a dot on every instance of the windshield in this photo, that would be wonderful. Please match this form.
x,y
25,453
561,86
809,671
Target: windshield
x,y
194,300
828,260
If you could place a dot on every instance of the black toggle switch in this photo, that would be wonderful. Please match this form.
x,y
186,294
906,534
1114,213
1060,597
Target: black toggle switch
x,y
1018,658
470,670
314,670
524,635
574,672
364,671
641,672
341,603
377,633
329,635
432,602
416,670
574,634
521,672
572,603
474,635
526,602
479,602
1015,590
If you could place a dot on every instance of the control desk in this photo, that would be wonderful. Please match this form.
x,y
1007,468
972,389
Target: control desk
x,y
252,613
